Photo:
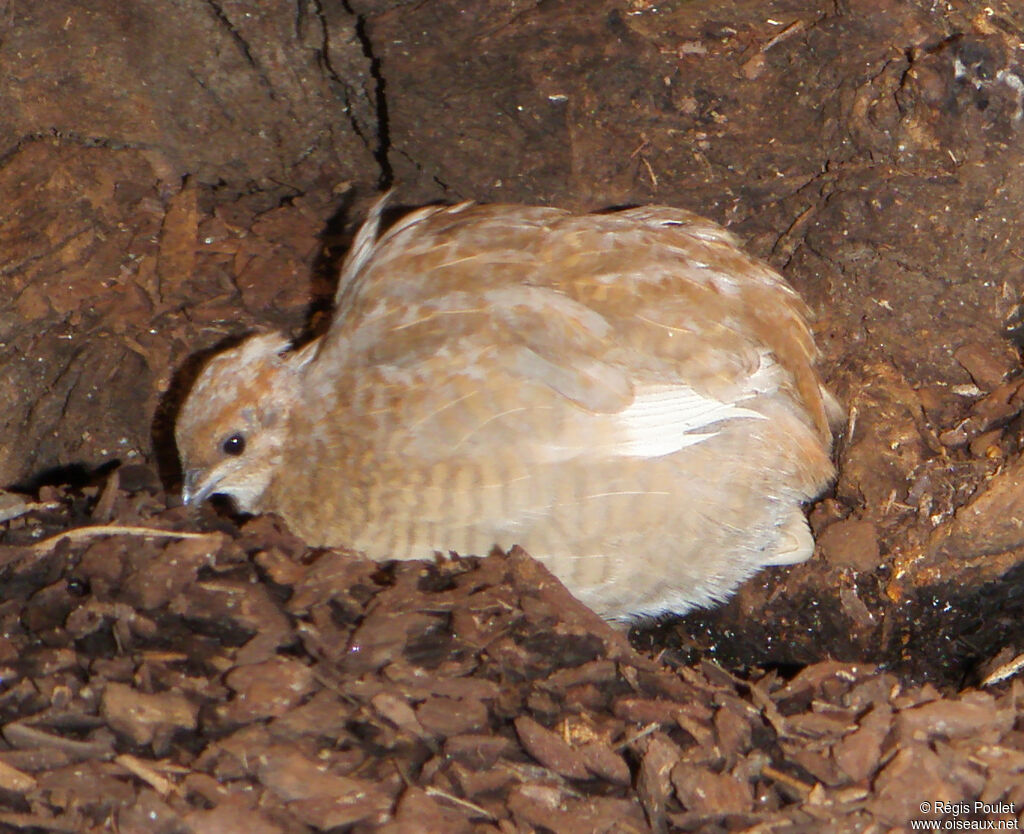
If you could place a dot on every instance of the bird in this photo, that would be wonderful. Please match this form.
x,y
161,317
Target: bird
x,y
626,395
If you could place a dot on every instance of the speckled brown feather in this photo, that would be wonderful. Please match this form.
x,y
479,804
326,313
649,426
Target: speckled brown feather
x,y
500,375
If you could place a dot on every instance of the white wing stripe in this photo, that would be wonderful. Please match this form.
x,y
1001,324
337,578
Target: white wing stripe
x,y
664,420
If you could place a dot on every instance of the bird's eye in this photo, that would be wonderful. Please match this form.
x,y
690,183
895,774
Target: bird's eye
x,y
234,445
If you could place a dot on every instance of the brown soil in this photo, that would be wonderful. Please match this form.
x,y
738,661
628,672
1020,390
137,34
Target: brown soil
x,y
174,174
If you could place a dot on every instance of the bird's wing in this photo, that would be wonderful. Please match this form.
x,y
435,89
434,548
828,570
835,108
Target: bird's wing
x,y
631,333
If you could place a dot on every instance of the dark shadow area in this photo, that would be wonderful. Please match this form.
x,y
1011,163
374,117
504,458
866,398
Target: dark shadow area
x,y
76,476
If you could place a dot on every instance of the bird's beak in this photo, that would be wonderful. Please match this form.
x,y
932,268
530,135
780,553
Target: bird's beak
x,y
194,491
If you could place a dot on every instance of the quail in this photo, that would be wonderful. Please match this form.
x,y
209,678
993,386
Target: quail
x,y
626,395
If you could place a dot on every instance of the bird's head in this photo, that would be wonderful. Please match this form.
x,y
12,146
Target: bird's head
x,y
233,426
